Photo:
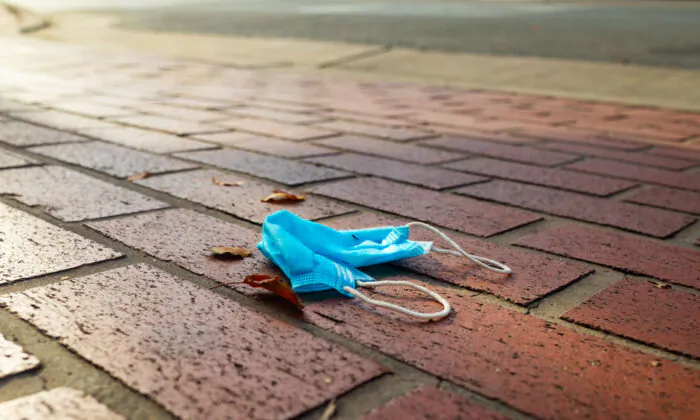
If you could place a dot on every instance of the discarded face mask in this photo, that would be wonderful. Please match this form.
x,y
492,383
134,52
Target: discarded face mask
x,y
317,258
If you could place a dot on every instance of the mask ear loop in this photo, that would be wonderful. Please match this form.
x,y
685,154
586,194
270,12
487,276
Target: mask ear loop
x,y
446,308
483,262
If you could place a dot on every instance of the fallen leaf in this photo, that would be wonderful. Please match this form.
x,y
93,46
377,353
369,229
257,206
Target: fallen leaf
x,y
659,285
230,251
329,412
226,183
142,175
279,196
274,285
655,363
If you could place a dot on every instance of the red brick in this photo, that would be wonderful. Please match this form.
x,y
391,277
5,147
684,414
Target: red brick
x,y
196,103
639,310
196,353
546,370
284,148
13,160
59,403
667,198
649,221
367,119
90,108
636,158
450,211
463,121
282,106
243,201
175,112
688,181
614,127
184,237
398,134
170,125
20,133
425,176
284,171
13,359
392,150
70,195
114,160
278,115
533,277
537,116
580,136
151,141
557,178
626,253
681,153
431,403
229,138
31,247
278,129
61,120
502,151
510,138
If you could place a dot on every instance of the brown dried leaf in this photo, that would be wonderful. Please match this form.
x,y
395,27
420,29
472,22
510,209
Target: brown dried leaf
x,y
659,285
142,175
230,251
279,196
329,412
226,183
274,285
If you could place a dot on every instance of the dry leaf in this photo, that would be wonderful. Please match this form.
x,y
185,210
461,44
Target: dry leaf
x,y
274,285
142,175
655,363
329,412
226,183
230,251
659,285
279,196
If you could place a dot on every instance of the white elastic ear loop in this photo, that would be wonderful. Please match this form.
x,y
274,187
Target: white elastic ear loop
x,y
486,263
432,316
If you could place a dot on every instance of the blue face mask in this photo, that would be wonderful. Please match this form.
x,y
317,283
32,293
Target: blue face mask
x,y
316,258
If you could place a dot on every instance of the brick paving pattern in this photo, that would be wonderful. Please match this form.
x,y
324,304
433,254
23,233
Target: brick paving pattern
x,y
570,194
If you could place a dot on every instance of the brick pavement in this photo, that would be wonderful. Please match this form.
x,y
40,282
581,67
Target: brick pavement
x,y
119,271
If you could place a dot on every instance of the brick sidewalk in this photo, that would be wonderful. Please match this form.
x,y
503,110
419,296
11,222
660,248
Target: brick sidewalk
x,y
105,281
